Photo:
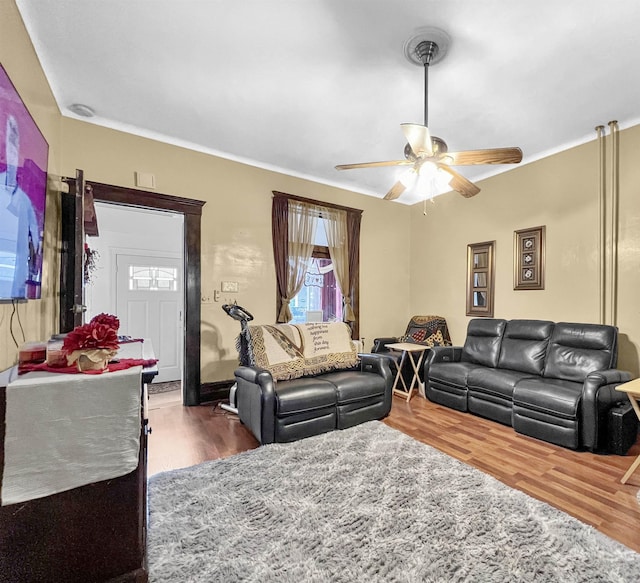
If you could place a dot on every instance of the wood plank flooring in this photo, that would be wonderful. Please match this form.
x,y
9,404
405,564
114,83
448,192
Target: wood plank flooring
x,y
585,485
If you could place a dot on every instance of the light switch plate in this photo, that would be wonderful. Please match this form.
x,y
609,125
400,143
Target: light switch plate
x,y
230,286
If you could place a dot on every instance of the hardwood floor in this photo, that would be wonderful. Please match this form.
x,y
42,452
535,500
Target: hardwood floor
x,y
582,484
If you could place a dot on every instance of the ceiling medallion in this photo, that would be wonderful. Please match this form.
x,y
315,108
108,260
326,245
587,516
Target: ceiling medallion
x,y
435,37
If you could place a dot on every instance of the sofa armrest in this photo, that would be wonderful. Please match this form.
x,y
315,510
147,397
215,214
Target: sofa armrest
x,y
256,401
598,396
379,344
440,354
444,354
379,364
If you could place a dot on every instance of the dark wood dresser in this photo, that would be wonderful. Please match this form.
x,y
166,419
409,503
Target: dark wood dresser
x,y
92,533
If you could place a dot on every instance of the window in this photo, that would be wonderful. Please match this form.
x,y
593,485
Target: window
x,y
149,278
319,299
316,249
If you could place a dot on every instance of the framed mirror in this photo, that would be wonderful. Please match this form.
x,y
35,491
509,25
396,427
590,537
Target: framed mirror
x,y
480,278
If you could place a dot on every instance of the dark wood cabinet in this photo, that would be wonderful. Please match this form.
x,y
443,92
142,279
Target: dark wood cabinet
x,y
93,533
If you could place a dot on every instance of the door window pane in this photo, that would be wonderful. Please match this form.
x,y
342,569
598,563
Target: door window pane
x,y
150,278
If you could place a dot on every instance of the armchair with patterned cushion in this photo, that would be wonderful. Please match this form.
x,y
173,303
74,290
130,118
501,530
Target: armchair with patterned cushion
x,y
426,330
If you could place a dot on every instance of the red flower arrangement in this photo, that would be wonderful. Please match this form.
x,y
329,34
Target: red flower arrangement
x,y
91,336
92,345
108,319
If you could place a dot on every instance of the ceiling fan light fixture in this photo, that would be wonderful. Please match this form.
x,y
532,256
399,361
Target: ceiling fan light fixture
x,y
428,170
433,182
423,151
409,178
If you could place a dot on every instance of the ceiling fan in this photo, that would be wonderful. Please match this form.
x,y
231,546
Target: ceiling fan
x,y
426,154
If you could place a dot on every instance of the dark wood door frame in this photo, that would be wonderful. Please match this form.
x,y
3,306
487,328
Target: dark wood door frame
x,y
72,258
192,211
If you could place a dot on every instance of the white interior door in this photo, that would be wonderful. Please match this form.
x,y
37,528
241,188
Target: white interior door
x,y
149,300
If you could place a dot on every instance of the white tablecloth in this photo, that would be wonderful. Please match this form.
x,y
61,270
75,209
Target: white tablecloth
x,y
68,430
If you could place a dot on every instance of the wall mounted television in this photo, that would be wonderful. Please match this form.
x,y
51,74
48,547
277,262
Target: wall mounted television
x,y
24,154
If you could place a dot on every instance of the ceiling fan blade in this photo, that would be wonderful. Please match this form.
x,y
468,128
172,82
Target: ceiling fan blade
x,y
419,138
492,156
459,183
396,190
374,164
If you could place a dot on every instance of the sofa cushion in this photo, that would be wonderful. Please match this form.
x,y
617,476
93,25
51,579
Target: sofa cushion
x,y
353,386
524,345
482,345
575,350
450,373
304,394
494,381
554,397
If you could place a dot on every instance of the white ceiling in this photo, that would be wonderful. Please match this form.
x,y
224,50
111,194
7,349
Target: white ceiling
x,y
299,86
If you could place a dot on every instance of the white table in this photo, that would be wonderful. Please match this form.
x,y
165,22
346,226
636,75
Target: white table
x,y
408,350
68,430
632,388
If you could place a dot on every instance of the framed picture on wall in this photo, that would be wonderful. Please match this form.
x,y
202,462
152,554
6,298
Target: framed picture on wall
x,y
480,279
528,258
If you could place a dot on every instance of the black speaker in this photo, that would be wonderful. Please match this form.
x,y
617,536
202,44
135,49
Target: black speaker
x,y
622,428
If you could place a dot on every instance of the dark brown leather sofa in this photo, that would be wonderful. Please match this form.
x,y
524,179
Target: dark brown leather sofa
x,y
552,381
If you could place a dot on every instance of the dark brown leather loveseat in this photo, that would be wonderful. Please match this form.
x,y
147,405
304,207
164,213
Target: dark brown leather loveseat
x,y
551,381
313,382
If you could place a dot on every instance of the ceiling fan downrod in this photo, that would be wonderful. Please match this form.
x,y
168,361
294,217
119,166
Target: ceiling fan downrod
x,y
426,51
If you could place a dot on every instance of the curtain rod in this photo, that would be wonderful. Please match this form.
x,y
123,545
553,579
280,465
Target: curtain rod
x,y
277,194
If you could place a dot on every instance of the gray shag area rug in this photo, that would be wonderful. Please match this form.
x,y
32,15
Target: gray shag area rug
x,y
364,504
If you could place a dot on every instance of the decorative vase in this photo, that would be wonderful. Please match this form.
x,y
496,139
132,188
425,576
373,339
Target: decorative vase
x,y
96,359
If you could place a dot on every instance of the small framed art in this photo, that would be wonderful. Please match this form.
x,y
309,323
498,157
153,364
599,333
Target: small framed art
x,y
480,279
528,260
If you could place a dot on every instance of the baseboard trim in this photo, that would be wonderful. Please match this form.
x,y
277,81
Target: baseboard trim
x,y
215,391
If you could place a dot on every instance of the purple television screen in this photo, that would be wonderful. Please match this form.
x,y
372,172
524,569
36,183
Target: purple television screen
x,y
23,188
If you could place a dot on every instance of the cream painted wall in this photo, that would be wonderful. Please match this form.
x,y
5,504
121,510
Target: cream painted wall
x,y
236,242
410,264
39,317
560,192
236,231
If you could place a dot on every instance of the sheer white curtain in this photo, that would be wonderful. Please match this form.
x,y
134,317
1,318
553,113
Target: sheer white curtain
x,y
302,223
335,223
